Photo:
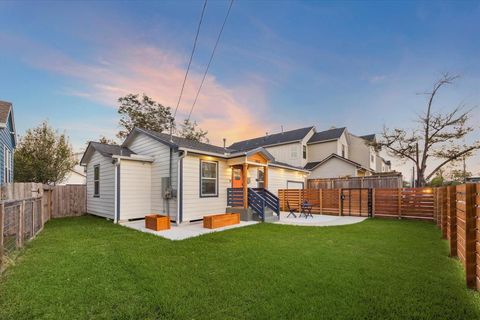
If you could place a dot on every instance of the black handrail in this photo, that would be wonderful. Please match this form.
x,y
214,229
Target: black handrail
x,y
256,202
271,200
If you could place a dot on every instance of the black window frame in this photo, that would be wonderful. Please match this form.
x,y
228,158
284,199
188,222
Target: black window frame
x,y
201,178
304,152
96,181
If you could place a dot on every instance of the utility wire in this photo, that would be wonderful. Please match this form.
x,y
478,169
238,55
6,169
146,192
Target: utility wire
x,y
210,61
191,58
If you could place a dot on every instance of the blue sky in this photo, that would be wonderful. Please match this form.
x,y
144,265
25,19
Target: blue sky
x,y
355,64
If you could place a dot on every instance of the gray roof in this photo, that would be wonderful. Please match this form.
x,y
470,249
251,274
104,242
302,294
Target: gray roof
x,y
273,139
283,164
327,135
369,137
313,165
111,149
178,142
5,108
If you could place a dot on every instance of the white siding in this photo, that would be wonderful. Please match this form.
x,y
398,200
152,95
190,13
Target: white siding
x,y
343,141
334,168
288,153
147,146
135,189
195,207
105,204
319,151
278,177
359,151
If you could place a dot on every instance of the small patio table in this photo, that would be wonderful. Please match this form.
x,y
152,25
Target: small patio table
x,y
306,210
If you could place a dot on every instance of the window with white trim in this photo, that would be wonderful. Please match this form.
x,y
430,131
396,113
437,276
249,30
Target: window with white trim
x,y
96,181
208,178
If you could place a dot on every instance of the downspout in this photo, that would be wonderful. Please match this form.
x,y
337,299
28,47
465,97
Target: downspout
x,y
169,180
179,217
116,217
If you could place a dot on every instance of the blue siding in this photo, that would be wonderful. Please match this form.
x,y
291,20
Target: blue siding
x,y
6,139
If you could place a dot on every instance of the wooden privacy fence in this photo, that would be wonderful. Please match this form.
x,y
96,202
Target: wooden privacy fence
x,y
417,203
21,219
380,181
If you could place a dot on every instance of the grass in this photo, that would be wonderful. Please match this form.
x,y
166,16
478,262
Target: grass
x,y
86,267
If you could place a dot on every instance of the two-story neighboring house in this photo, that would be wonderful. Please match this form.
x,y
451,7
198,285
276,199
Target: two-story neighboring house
x,y
8,141
326,154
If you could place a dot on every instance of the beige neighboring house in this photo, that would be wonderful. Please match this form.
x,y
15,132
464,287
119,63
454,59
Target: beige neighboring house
x,y
76,175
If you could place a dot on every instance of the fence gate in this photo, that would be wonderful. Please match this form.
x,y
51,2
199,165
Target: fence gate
x,y
356,202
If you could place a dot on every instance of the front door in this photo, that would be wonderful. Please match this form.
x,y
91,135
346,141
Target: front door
x,y
237,177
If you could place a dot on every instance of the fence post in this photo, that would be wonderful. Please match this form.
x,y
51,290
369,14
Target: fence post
x,y
340,202
320,195
21,225
399,200
470,236
34,204
373,202
2,223
452,219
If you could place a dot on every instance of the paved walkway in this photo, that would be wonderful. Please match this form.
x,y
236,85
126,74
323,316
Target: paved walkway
x,y
318,220
184,231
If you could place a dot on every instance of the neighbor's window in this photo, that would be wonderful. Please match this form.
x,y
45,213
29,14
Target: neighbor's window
x,y
208,178
372,158
7,165
343,150
304,152
96,181
294,152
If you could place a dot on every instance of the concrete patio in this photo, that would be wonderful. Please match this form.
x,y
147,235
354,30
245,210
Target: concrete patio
x,y
318,220
182,232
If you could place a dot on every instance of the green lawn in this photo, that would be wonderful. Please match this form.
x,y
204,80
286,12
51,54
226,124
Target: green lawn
x,y
86,267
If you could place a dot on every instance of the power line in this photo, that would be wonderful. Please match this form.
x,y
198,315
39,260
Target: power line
x,y
191,58
210,61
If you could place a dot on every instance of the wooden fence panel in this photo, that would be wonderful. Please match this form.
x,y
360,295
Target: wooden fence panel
x,y
386,202
417,203
371,182
466,231
68,201
476,225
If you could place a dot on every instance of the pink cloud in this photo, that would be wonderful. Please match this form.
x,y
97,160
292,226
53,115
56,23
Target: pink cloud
x,y
234,113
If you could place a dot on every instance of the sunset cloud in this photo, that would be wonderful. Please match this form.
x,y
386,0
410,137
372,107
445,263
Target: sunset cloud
x,y
226,112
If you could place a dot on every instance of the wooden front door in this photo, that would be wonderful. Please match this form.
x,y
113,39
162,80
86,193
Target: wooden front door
x,y
237,177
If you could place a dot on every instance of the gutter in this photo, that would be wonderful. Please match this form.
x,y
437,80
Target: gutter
x,y
179,216
116,217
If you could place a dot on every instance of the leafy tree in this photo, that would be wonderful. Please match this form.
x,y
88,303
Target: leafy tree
x,y
43,155
144,113
438,137
106,140
457,175
148,114
190,131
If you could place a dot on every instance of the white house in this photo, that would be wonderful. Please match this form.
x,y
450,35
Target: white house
x,y
76,175
152,172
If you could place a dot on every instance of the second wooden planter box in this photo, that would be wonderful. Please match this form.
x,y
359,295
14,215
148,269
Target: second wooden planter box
x,y
157,222
221,220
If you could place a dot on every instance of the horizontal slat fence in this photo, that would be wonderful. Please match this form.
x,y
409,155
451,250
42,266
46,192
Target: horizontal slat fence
x,y
415,203
21,219
370,182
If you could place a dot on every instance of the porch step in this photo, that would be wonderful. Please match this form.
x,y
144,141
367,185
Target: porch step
x,y
270,215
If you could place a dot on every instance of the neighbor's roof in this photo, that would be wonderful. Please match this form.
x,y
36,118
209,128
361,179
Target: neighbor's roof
x,y
313,165
369,137
288,166
178,142
5,108
107,150
327,135
273,139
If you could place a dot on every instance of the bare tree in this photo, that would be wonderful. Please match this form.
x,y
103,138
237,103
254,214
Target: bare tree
x,y
438,136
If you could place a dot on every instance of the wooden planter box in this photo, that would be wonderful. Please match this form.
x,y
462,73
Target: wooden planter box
x,y
221,220
157,222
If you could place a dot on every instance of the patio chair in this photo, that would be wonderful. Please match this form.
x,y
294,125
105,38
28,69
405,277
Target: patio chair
x,y
291,210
